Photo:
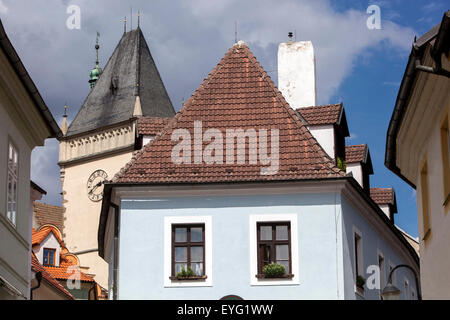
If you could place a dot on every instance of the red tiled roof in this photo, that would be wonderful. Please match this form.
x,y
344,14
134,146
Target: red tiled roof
x,y
321,115
238,93
68,264
152,125
67,270
355,153
39,235
48,214
36,267
382,195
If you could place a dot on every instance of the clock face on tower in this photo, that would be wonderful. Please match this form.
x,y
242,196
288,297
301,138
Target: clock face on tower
x,y
95,185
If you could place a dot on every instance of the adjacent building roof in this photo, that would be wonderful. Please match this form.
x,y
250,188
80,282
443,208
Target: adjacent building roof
x,y
30,87
439,37
151,126
237,94
356,153
384,196
130,72
37,267
49,214
68,261
322,115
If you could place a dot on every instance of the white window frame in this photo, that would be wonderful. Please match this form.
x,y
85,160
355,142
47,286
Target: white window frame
x,y
12,216
253,221
168,222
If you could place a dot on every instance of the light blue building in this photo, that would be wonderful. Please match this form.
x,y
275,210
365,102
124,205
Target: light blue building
x,y
194,204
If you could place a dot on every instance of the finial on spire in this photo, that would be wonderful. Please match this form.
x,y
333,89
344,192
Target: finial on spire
x,y
139,18
235,32
64,122
290,36
97,46
125,25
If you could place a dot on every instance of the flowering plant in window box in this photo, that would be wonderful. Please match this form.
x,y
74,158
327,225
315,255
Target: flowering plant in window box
x,y
188,274
360,282
274,270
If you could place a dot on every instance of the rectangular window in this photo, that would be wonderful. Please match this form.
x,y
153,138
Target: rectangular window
x,y
274,245
49,257
426,227
188,249
358,254
13,174
445,153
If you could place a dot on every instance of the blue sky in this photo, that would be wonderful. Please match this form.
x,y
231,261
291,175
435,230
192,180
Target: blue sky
x,y
361,68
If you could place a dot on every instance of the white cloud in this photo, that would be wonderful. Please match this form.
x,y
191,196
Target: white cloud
x,y
187,39
3,8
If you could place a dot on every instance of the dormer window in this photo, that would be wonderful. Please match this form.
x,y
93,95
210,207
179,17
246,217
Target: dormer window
x,y
49,257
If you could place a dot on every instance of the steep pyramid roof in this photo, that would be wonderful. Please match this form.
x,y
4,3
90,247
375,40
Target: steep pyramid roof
x,y
130,72
238,93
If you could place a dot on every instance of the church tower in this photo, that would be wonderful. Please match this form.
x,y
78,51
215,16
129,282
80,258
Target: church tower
x,y
102,137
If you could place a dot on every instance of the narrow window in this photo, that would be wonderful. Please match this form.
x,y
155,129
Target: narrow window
x,y
274,245
426,228
13,168
188,249
358,255
445,152
382,271
49,257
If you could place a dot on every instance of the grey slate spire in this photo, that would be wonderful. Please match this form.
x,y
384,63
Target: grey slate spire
x,y
129,73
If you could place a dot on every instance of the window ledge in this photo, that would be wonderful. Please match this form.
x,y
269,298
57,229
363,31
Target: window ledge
x,y
286,276
192,278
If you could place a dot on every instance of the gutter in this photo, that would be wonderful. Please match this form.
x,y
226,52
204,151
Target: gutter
x,y
414,66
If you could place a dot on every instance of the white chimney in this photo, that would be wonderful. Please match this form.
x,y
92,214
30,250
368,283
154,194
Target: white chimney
x,y
297,73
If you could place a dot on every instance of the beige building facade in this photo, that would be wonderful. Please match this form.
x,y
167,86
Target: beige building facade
x,y
418,150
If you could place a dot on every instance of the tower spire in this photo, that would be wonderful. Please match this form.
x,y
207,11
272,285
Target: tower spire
x,y
96,72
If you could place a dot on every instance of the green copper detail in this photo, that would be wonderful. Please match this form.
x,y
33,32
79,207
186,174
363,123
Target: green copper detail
x,y
97,71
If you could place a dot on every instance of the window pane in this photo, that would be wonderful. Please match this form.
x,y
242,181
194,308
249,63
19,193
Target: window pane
x,y
286,265
267,253
180,234
51,257
196,254
282,233
178,267
181,254
196,234
283,252
197,268
266,232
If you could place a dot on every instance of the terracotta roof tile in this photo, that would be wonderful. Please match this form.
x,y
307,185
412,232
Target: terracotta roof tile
x,y
37,267
382,195
39,235
151,125
321,115
238,93
48,214
67,270
356,153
